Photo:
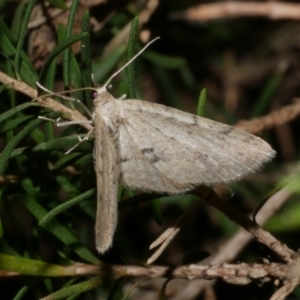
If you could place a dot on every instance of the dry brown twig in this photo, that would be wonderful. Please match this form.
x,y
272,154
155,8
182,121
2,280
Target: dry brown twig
x,y
262,236
230,249
236,243
239,274
39,17
43,101
285,290
274,119
166,237
234,246
44,18
241,219
272,9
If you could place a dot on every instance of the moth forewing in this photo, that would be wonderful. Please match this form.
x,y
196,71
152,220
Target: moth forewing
x,y
166,150
107,169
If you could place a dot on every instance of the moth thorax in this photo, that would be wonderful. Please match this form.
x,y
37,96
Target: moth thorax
x,y
108,111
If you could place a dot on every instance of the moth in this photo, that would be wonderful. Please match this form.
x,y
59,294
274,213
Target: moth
x,y
152,147
155,148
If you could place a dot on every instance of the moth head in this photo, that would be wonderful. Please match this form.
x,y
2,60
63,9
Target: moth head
x,y
101,94
101,90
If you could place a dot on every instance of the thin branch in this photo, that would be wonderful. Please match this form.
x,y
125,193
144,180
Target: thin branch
x,y
43,101
273,10
166,237
285,290
231,248
239,274
243,220
274,119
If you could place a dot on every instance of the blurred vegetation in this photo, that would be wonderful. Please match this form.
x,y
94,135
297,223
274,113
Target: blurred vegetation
x,y
248,67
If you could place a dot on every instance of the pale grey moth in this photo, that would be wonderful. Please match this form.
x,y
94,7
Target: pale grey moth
x,y
152,147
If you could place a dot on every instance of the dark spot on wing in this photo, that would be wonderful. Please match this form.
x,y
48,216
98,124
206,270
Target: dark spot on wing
x,y
203,157
121,121
124,160
147,150
154,159
149,153
198,157
195,120
227,131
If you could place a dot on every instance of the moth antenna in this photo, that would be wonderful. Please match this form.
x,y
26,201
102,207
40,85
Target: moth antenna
x,y
60,94
129,62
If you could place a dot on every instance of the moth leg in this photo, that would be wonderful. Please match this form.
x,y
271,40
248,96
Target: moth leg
x,y
60,123
80,141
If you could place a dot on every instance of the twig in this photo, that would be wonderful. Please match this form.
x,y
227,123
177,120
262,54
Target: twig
x,y
230,249
166,237
285,290
239,274
47,102
243,220
274,119
242,272
272,10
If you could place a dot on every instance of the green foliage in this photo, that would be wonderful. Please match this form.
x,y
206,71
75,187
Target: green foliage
x,y
131,51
